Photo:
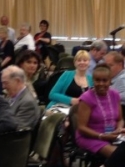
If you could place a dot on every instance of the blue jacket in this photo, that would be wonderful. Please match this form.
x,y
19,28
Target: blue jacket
x,y
57,94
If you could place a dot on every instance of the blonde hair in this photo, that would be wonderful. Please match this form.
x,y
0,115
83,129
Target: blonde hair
x,y
4,29
82,54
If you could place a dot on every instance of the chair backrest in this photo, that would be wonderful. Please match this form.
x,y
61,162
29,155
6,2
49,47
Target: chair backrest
x,y
65,63
47,134
123,111
63,54
19,51
60,47
49,85
73,121
53,54
14,148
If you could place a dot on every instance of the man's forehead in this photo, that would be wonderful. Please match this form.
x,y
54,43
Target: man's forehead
x,y
5,76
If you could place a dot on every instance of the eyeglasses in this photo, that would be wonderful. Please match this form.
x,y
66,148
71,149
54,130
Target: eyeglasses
x,y
43,25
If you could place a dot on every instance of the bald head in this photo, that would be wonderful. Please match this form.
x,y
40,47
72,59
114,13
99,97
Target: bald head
x,y
14,72
13,79
116,62
98,49
4,20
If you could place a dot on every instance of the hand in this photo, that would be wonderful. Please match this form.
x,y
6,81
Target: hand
x,y
48,113
119,130
39,39
122,130
109,136
74,101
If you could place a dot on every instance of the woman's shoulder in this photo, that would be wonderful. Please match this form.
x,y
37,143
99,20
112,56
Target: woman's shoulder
x,y
9,43
88,97
69,72
90,80
47,33
114,93
89,76
87,94
38,33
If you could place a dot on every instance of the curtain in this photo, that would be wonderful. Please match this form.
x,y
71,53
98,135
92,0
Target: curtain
x,y
70,18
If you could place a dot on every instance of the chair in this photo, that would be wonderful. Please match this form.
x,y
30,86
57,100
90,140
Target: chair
x,y
53,54
93,160
50,83
19,51
65,63
46,138
123,111
60,47
85,46
63,54
14,148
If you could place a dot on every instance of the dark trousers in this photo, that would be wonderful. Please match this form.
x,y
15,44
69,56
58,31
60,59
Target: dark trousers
x,y
117,159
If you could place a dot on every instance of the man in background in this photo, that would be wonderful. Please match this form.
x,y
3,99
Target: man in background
x,y
116,62
23,105
11,32
97,51
8,121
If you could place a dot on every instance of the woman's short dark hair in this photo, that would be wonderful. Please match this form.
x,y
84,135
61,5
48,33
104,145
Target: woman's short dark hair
x,y
26,55
102,67
44,22
123,50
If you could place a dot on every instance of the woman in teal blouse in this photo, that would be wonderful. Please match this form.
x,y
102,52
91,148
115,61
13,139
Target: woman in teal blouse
x,y
72,84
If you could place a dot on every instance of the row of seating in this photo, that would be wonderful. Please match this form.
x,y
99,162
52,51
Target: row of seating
x,y
16,146
65,63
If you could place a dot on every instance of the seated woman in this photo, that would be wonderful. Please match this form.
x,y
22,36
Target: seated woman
x,y
6,48
30,62
73,83
100,120
42,39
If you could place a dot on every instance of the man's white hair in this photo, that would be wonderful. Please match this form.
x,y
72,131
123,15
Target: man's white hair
x,y
14,71
27,26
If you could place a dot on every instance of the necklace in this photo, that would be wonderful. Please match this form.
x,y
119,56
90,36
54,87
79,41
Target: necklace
x,y
106,122
82,88
81,82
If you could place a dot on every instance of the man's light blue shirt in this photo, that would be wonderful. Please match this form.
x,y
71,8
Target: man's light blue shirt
x,y
118,83
92,65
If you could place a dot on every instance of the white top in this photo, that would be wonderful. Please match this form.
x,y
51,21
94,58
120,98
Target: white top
x,y
11,34
27,40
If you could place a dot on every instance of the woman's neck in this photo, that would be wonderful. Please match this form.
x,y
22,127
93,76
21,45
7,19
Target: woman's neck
x,y
29,76
100,94
80,73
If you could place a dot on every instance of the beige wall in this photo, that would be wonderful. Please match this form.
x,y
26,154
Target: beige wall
x,y
68,17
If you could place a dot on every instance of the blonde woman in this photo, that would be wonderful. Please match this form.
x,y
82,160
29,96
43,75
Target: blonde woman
x,y
73,83
6,48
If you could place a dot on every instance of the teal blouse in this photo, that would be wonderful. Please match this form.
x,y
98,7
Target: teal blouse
x,y
57,94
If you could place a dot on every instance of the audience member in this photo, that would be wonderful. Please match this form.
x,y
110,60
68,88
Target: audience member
x,y
11,32
101,122
23,104
25,38
123,52
6,48
97,50
42,39
30,62
7,121
116,63
71,84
